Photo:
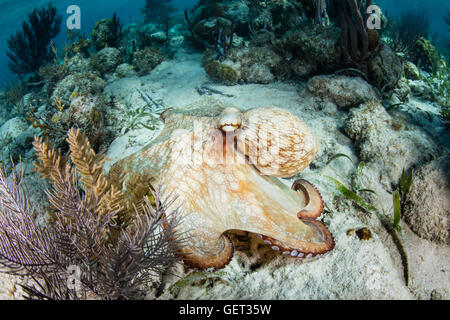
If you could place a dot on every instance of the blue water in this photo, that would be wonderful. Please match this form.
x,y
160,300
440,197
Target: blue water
x,y
12,13
436,10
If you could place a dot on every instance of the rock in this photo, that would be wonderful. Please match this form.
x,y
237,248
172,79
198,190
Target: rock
x,y
385,70
302,69
159,37
125,70
257,73
383,143
420,88
364,234
250,65
78,63
207,29
146,60
256,64
427,205
176,42
317,46
13,127
237,11
106,60
401,91
16,138
10,288
228,72
411,71
76,84
104,34
249,56
345,92
149,28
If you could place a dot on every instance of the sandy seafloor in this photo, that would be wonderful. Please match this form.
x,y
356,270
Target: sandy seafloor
x,y
355,269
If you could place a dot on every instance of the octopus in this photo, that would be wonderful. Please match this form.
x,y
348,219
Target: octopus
x,y
222,166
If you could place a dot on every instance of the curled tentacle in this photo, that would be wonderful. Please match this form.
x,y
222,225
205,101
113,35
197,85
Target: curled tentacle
x,y
216,259
305,250
314,203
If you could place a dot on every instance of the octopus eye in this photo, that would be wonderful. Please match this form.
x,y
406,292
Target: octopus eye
x,y
230,120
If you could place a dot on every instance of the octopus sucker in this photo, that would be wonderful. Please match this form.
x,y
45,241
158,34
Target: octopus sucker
x,y
315,250
222,166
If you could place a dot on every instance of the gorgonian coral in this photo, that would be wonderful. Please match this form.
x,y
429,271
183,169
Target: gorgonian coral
x,y
115,244
29,48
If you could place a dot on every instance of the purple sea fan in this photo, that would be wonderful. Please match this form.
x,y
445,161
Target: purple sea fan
x,y
77,237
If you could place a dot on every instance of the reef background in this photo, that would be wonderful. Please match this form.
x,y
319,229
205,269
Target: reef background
x,y
380,130
91,11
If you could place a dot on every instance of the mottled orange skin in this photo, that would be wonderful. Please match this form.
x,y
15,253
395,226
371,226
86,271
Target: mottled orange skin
x,y
220,184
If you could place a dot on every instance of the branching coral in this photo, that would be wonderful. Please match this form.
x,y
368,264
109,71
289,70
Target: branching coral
x,y
118,243
358,42
29,48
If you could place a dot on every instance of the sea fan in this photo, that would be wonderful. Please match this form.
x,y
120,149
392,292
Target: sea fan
x,y
92,238
28,48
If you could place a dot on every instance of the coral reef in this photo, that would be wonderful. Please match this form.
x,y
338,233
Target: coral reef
x,y
311,50
411,71
15,138
146,60
52,73
106,60
371,127
14,98
385,69
81,46
426,54
345,92
297,54
125,70
77,83
257,65
107,33
228,73
29,48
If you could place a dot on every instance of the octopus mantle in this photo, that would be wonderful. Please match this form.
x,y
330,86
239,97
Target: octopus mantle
x,y
222,166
